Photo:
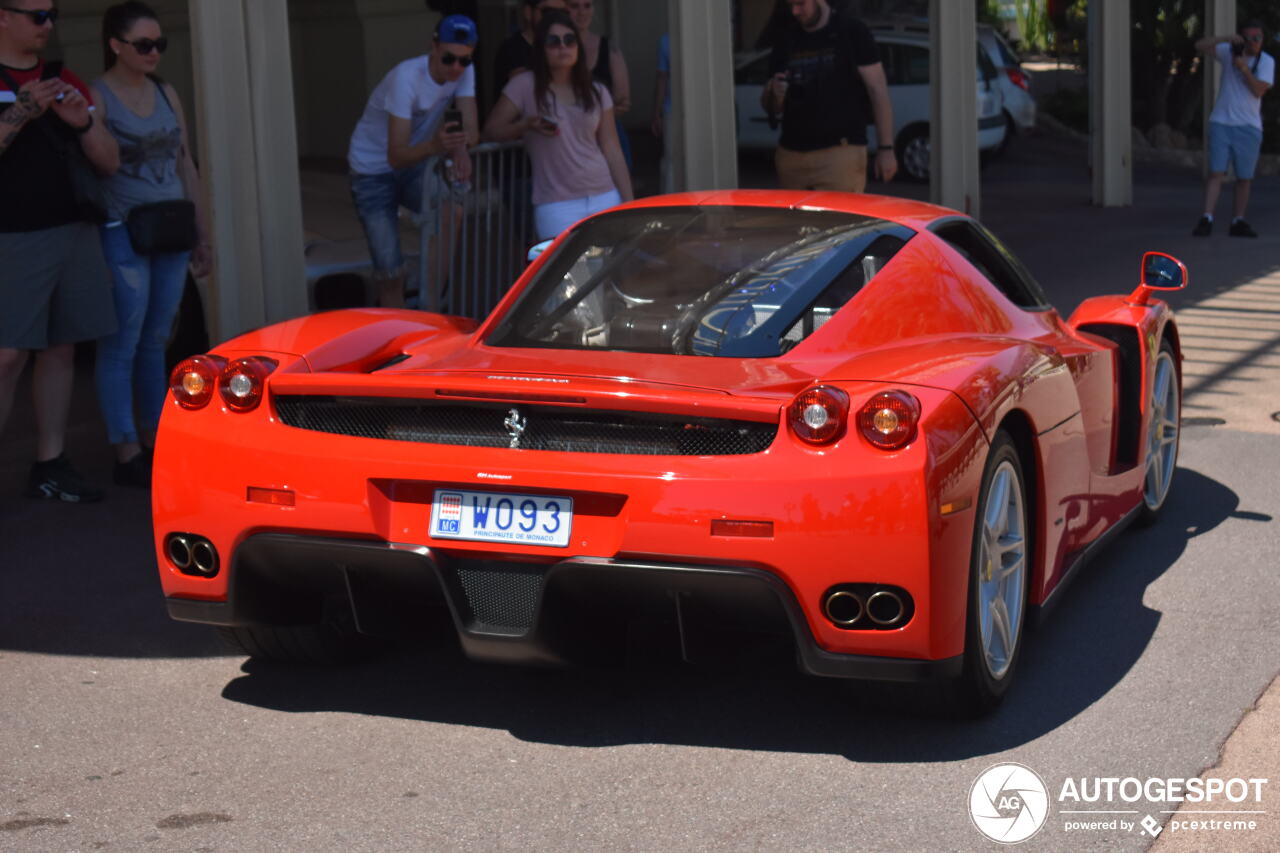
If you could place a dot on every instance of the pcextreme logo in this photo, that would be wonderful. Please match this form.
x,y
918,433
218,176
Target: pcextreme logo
x,y
1010,803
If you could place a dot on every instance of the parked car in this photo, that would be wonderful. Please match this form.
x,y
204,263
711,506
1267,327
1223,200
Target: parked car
x,y
1014,81
905,55
849,422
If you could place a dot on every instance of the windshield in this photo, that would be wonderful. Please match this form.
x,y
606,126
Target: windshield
x,y
745,282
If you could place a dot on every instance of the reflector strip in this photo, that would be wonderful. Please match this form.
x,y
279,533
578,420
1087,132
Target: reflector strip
x,y
955,506
731,527
276,497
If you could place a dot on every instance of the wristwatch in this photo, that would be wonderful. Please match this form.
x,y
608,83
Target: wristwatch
x,y
87,126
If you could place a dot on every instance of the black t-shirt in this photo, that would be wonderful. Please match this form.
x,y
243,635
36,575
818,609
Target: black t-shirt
x,y
35,189
827,101
513,53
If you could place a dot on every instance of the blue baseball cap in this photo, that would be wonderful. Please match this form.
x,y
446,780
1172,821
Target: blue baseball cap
x,y
457,29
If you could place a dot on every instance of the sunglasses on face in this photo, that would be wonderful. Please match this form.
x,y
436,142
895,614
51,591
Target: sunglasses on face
x,y
1253,38
450,58
39,17
568,40
145,46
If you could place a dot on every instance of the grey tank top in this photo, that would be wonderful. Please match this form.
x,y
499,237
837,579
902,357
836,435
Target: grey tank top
x,y
149,151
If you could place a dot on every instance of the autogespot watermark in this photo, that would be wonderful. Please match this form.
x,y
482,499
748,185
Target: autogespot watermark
x,y
1010,803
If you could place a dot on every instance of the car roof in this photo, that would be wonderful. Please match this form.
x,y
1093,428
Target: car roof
x,y
916,215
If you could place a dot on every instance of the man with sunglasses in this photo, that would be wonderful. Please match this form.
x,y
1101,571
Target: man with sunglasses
x,y
1235,125
399,139
54,287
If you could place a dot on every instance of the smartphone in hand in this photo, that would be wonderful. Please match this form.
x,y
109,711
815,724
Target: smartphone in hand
x,y
453,121
52,70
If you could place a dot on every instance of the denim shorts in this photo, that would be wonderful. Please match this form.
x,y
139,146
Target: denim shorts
x,y
1238,144
378,199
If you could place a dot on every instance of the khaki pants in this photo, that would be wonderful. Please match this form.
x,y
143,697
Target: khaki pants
x,y
841,167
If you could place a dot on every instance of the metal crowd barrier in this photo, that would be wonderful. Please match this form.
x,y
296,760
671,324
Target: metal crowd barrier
x,y
473,249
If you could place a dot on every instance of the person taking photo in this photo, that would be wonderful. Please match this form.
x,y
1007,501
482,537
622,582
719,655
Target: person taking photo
x,y
54,286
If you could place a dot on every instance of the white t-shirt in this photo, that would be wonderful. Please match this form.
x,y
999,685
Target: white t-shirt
x,y
406,92
1236,104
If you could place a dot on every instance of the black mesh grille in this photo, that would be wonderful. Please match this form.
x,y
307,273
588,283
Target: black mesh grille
x,y
545,427
500,595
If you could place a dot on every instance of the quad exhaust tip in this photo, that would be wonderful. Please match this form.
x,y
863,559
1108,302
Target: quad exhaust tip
x,y
844,608
192,555
867,606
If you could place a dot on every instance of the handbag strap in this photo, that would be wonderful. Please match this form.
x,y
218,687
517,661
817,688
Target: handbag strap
x,y
160,87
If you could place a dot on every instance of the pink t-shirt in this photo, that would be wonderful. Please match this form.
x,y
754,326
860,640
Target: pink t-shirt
x,y
570,164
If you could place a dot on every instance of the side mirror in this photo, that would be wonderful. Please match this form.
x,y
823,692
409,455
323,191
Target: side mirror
x,y
1159,272
535,251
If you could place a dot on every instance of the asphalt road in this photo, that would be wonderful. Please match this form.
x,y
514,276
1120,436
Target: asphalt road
x,y
121,730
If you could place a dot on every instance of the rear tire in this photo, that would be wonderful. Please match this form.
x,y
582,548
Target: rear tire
x,y
999,575
333,641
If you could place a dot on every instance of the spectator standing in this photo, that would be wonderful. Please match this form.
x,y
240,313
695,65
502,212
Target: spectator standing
x,y
54,286
608,67
515,54
145,117
826,67
662,111
397,141
567,122
1235,125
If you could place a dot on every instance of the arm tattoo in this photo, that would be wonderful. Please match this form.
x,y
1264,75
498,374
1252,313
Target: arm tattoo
x,y
22,110
15,118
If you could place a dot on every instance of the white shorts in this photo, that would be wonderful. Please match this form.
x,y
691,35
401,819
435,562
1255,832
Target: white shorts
x,y
555,217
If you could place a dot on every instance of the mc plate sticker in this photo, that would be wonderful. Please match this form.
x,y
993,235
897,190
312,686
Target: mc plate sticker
x,y
502,517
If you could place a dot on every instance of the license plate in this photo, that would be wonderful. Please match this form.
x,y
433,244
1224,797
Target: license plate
x,y
502,517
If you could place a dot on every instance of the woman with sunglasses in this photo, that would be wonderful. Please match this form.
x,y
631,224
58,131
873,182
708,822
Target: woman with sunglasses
x,y
567,122
145,117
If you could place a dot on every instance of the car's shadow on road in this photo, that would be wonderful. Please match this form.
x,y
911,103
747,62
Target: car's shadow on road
x,y
1096,634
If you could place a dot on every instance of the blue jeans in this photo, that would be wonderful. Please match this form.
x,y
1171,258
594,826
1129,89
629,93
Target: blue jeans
x,y
147,290
378,199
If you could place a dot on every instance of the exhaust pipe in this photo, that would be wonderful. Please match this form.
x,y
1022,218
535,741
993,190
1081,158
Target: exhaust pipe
x,y
179,549
885,608
843,607
204,558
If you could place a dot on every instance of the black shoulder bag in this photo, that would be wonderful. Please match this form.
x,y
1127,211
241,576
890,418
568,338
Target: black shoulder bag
x,y
86,185
163,227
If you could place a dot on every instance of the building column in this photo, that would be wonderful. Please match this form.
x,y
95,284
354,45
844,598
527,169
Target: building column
x,y
1219,19
706,142
953,123
1110,103
245,108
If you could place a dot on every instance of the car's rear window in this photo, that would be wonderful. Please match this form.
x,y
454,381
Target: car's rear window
x,y
745,282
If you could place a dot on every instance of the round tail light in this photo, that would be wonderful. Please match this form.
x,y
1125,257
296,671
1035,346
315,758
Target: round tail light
x,y
243,382
192,382
819,415
889,420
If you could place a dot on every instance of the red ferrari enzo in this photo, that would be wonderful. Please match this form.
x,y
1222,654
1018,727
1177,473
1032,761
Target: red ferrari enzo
x,y
850,421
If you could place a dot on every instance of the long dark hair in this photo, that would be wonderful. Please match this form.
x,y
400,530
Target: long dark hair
x,y
116,21
584,89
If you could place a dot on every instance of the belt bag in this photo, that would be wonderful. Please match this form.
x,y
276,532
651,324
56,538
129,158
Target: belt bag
x,y
163,227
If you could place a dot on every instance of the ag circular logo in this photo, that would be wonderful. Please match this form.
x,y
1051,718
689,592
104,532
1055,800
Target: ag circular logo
x,y
1008,803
